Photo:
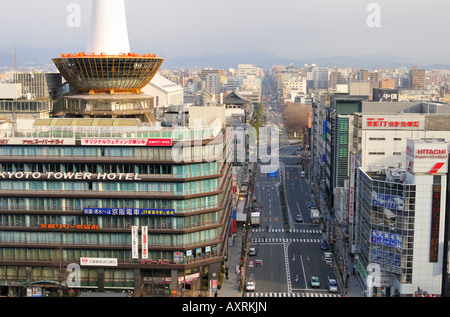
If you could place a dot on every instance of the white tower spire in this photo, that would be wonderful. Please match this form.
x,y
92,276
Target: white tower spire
x,y
109,33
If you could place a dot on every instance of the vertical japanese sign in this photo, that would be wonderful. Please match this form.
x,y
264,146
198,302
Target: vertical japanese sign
x,y
134,242
144,237
324,132
351,193
435,215
234,221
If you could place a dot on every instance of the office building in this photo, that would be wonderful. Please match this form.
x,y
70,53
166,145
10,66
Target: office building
x,y
73,189
342,131
25,97
105,199
379,139
400,219
321,78
417,78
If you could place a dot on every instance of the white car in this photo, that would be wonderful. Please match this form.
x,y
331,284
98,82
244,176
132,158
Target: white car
x,y
250,287
332,286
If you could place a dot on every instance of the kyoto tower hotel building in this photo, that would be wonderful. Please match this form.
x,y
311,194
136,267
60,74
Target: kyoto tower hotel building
x,y
96,201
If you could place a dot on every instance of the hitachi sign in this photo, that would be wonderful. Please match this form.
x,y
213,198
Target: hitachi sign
x,y
429,151
427,156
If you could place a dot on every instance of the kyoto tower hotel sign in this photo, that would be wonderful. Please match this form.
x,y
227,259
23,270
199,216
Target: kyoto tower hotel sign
x,y
108,65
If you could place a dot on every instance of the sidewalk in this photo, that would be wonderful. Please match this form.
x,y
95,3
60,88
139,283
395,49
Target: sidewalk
x,y
354,287
230,287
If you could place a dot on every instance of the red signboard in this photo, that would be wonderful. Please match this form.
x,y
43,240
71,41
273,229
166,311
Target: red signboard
x,y
381,122
159,142
68,227
127,142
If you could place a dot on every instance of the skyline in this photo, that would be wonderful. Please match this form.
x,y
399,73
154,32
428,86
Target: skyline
x,y
413,31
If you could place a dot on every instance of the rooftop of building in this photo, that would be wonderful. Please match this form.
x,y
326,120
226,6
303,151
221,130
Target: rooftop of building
x,y
387,174
107,96
165,84
113,128
87,122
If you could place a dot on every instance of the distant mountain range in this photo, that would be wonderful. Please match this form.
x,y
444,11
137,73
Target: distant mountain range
x,y
266,61
30,57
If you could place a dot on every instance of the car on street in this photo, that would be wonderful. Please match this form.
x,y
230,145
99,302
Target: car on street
x,y
312,206
299,218
315,281
252,251
327,257
250,287
332,285
323,244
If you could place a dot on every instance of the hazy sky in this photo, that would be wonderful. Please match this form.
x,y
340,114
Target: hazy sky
x,y
413,29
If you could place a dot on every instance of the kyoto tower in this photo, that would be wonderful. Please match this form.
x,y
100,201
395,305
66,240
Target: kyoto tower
x,y
108,78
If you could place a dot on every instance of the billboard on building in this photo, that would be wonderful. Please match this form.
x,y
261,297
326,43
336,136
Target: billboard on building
x,y
429,157
134,242
393,122
435,219
144,238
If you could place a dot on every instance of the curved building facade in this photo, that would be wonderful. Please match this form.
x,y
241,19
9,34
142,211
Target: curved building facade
x,y
108,74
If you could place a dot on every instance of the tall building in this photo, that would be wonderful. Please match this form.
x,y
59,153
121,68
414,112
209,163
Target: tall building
x,y
38,85
379,139
401,221
387,83
355,123
417,78
321,78
25,97
213,84
105,202
338,129
337,78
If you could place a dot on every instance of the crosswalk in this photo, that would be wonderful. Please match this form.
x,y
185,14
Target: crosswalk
x,y
283,240
293,294
264,239
275,167
288,230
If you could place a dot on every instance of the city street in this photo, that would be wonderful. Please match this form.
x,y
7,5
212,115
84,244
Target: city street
x,y
288,251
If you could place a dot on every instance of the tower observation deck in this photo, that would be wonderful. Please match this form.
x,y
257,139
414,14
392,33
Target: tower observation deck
x,y
108,69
